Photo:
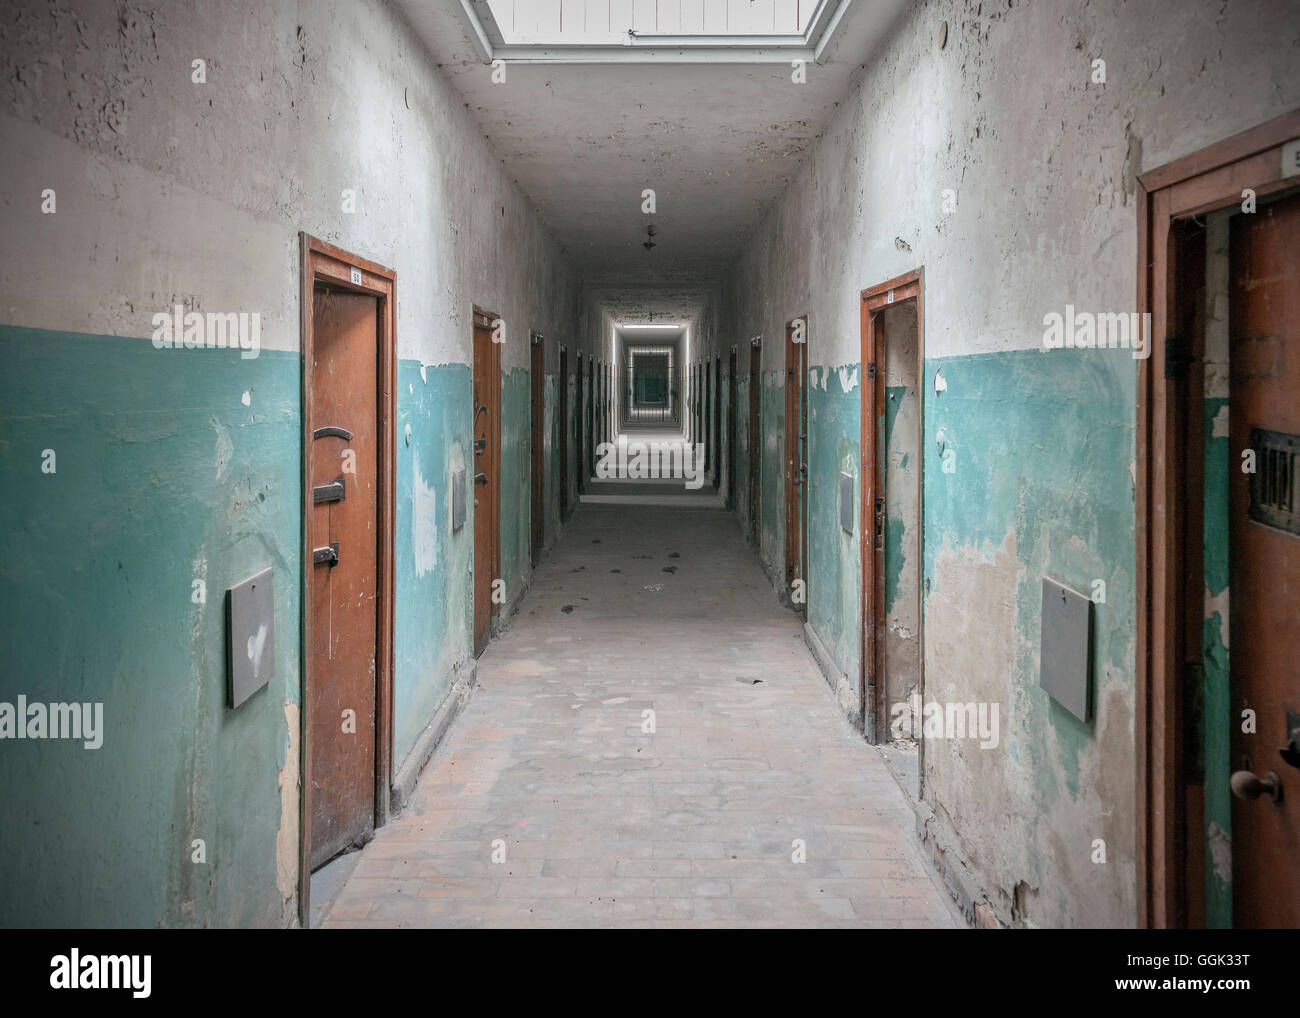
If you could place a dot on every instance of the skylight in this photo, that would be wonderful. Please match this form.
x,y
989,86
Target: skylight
x,y
639,31
610,21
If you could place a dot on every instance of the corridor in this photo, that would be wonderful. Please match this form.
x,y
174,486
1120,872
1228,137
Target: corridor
x,y
790,463
648,609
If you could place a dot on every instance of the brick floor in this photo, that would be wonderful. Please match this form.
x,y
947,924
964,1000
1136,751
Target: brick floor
x,y
606,825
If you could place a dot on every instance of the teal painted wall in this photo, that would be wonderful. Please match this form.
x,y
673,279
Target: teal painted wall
x,y
163,477
433,601
835,567
1043,446
772,477
516,478
1216,713
1042,485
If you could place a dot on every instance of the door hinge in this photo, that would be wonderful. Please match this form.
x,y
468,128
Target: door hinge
x,y
871,371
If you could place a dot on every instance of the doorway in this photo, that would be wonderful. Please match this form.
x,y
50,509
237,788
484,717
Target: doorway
x,y
890,523
717,420
563,431
537,446
1218,725
698,435
731,429
592,411
706,418
755,439
796,462
580,432
349,386
486,428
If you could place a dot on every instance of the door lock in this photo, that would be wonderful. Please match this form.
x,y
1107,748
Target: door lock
x,y
1246,785
332,492
1291,751
329,555
480,478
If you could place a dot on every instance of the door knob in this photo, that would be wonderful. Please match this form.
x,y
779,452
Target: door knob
x,y
1246,786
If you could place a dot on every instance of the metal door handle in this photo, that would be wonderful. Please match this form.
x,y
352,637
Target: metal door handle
x,y
1246,785
328,555
480,479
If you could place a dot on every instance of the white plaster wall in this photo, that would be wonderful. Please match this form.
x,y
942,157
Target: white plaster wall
x,y
170,190
1042,162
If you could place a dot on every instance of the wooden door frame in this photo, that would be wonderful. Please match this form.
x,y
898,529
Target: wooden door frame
x,y
481,319
875,299
327,263
1210,179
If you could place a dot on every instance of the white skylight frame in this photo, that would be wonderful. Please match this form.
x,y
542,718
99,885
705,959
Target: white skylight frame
x,y
659,47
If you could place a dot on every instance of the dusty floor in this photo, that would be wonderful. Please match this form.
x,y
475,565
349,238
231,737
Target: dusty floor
x,y
603,823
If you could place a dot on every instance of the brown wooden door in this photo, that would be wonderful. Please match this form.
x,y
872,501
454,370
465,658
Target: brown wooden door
x,y
341,708
700,403
579,428
562,430
796,457
755,439
717,419
487,476
1264,415
538,440
731,429
705,416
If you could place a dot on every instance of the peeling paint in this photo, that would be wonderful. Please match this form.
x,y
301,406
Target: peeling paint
x,y
424,539
287,837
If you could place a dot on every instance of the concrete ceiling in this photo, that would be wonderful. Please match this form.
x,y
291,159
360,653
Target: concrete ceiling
x,y
650,303
716,143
